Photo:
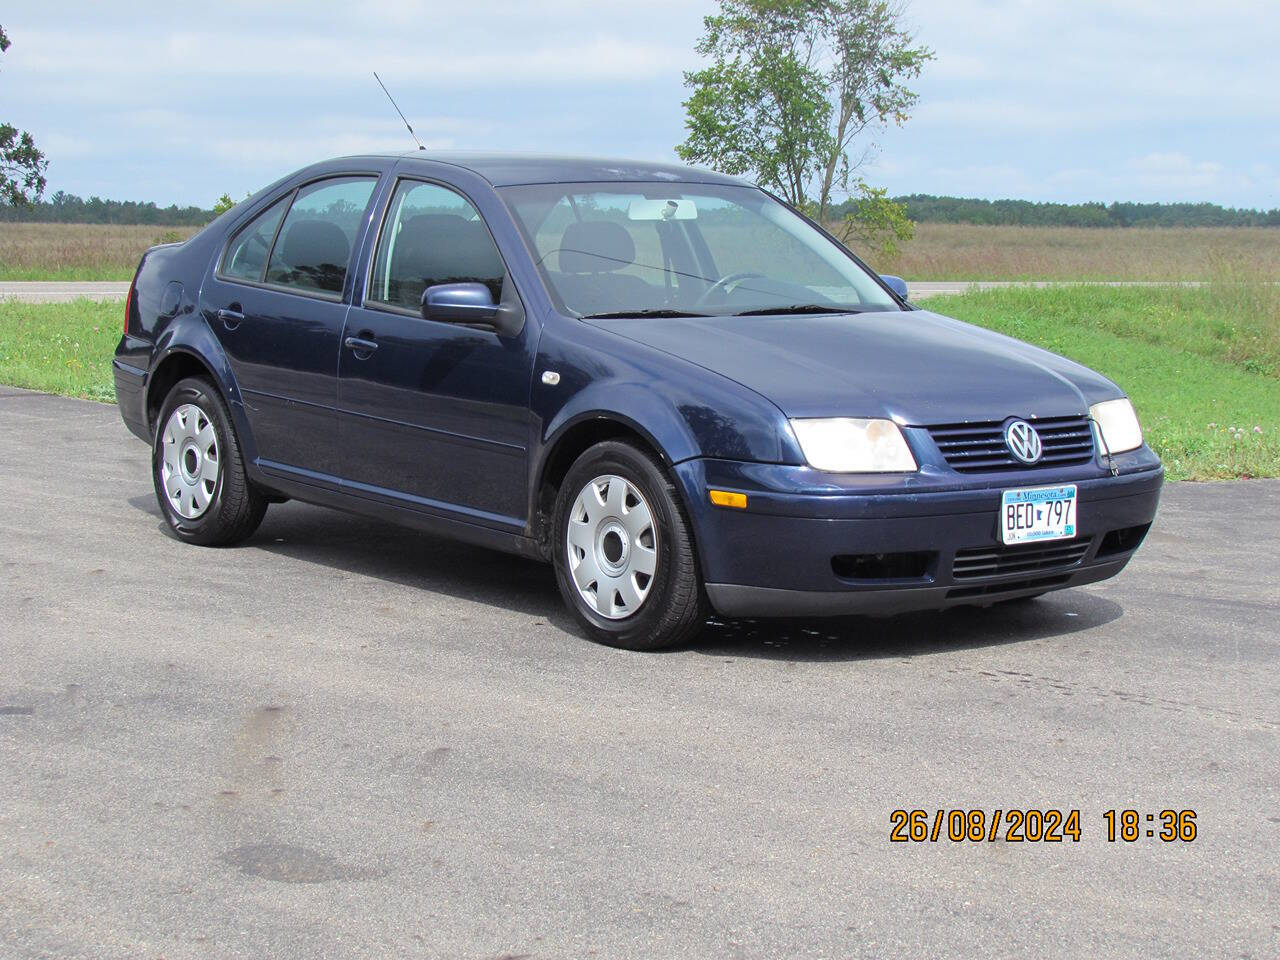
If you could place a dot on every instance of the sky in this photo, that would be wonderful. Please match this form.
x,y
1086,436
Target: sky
x,y
1062,100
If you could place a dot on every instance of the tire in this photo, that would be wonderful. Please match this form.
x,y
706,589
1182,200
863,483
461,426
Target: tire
x,y
198,470
605,540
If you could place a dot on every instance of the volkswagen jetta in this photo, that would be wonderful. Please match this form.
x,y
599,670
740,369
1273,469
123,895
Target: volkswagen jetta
x,y
666,382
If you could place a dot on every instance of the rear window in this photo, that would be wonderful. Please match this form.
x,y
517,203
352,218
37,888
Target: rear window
x,y
313,250
308,248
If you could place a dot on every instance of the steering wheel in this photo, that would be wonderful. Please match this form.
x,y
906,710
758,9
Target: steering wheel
x,y
725,283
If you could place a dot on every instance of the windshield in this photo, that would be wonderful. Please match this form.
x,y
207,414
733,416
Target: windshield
x,y
654,249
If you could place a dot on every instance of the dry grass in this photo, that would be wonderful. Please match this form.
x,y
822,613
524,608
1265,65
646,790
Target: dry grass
x,y
944,251
77,251
940,251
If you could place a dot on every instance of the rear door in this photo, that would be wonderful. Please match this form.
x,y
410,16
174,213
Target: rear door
x,y
277,302
434,414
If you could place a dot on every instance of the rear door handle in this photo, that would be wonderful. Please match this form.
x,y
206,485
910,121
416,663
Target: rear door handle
x,y
360,345
230,317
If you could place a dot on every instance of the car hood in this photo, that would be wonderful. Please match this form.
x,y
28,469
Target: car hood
x,y
916,367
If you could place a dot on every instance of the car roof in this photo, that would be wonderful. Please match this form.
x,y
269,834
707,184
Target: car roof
x,y
509,169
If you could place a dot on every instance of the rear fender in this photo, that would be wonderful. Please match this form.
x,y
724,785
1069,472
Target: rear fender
x,y
189,335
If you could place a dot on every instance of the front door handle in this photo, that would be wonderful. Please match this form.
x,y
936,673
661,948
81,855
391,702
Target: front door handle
x,y
360,345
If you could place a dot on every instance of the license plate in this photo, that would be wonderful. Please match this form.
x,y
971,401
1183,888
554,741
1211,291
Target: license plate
x,y
1034,514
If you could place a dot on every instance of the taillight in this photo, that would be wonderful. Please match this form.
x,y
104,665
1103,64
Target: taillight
x,y
128,308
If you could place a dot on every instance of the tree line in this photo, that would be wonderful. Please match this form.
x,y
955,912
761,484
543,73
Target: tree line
x,y
68,208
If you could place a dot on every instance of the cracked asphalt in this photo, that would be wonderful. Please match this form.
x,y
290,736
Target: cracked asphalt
x,y
345,739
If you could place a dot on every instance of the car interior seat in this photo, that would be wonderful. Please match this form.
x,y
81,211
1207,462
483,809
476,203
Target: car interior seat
x,y
590,255
314,254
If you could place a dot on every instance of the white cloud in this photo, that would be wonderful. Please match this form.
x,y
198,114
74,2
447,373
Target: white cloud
x,y
179,56
1048,99
1178,173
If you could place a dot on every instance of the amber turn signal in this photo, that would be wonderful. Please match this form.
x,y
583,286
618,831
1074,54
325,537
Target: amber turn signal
x,y
723,498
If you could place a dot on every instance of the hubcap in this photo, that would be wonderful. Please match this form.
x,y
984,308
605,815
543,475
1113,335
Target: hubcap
x,y
190,461
612,546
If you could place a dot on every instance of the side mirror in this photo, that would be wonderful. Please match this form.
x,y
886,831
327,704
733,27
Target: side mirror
x,y
472,303
459,303
896,284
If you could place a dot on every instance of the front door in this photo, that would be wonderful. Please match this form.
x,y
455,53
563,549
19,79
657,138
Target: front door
x,y
276,303
434,414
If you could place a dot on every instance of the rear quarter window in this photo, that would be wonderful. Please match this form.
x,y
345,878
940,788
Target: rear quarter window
x,y
246,256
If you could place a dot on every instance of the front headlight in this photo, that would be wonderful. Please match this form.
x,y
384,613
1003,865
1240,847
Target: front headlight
x,y
1118,425
845,445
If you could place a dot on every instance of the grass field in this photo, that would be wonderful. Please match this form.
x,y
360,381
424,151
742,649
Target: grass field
x,y
1201,364
51,251
943,251
77,251
60,347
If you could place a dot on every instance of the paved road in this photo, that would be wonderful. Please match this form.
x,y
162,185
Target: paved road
x,y
344,739
59,292
40,292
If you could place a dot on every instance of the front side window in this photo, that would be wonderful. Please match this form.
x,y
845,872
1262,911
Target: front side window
x,y
431,235
654,248
313,249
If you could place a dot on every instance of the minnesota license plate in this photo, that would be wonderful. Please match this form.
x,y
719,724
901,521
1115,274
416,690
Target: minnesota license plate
x,y
1038,513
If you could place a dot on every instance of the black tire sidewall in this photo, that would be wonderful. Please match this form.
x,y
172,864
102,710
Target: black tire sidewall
x,y
620,459
206,526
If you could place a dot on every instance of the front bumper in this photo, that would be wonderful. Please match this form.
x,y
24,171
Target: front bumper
x,y
810,544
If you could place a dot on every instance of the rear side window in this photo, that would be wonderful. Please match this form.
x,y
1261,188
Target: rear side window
x,y
431,235
246,258
313,249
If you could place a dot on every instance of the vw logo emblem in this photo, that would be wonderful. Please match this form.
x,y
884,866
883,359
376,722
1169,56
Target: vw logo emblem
x,y
1023,441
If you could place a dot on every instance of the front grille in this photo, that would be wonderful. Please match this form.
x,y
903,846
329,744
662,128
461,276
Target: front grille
x,y
1030,558
980,447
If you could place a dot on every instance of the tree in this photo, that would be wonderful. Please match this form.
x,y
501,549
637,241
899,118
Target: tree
x,y
223,204
791,86
22,166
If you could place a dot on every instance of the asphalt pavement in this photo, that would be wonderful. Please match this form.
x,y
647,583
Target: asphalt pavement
x,y
42,291
345,739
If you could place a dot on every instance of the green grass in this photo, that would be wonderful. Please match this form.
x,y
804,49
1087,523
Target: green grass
x,y
1202,366
60,347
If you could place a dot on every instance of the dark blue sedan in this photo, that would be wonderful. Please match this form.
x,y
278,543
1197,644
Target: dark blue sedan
x,y
666,382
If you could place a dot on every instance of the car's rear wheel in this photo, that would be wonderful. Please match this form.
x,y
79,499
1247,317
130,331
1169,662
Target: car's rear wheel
x,y
624,554
198,470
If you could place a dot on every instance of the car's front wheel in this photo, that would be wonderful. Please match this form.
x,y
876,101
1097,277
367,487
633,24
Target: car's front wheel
x,y
198,470
624,553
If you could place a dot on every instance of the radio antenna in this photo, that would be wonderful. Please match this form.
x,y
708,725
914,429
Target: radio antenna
x,y
402,116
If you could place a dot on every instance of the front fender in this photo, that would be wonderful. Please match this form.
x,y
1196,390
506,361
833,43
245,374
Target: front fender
x,y
635,406
685,410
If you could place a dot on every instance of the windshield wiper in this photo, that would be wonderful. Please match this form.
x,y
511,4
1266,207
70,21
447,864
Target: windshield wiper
x,y
799,308
626,314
